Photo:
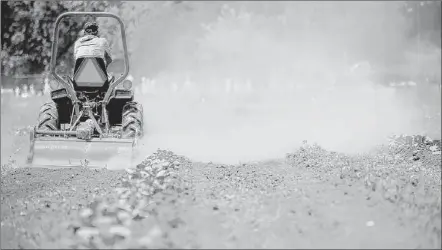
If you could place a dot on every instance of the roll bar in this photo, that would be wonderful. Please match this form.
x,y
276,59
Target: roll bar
x,y
55,49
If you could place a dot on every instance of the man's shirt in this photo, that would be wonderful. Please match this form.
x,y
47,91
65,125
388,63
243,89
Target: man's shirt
x,y
92,46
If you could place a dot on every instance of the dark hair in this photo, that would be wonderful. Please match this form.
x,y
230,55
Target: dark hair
x,y
91,28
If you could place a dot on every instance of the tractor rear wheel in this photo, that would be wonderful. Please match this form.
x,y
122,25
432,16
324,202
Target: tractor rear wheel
x,y
48,117
132,122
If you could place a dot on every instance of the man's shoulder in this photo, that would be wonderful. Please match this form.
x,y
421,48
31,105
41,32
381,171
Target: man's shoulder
x,y
101,40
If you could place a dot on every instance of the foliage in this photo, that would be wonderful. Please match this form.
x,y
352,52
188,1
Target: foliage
x,y
34,22
277,38
27,30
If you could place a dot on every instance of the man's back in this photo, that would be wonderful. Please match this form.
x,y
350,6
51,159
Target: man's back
x,y
92,46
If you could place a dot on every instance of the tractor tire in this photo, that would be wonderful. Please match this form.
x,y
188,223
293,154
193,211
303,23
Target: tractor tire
x,y
48,117
132,120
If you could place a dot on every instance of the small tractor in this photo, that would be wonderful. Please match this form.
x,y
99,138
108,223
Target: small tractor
x,y
92,120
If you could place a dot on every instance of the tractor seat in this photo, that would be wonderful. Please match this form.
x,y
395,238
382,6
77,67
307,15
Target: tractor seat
x,y
90,72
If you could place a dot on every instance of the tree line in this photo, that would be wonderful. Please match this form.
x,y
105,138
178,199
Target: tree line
x,y
27,26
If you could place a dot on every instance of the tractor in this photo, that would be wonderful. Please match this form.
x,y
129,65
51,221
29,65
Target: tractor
x,y
92,119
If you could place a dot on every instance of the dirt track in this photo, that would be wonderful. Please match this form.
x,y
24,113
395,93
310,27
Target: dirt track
x,y
264,205
313,198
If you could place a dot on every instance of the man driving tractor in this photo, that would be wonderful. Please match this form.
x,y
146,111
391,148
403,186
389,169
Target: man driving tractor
x,y
91,45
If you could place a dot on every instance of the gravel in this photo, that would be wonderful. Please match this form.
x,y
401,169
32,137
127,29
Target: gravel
x,y
312,198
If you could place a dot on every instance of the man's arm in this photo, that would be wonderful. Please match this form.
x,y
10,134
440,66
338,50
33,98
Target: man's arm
x,y
75,50
107,52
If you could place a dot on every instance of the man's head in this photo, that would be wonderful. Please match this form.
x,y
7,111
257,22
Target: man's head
x,y
91,28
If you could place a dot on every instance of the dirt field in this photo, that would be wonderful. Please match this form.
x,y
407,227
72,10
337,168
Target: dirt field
x,y
253,194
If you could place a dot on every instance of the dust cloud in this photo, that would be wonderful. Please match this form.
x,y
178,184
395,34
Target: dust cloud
x,y
298,57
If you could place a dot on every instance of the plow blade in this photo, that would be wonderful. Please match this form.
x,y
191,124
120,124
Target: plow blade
x,y
60,152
